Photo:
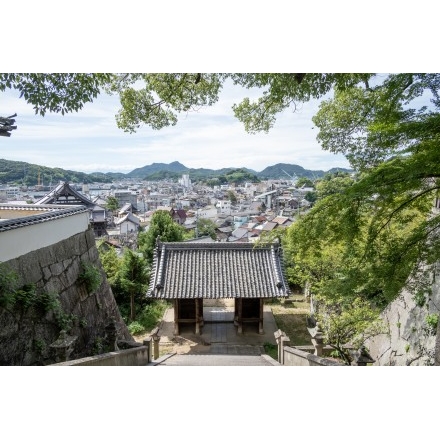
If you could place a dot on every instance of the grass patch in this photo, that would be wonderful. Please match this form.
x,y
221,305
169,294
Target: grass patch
x,y
148,318
290,317
271,350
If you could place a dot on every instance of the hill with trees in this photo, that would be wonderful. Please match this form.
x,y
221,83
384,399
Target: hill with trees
x,y
27,174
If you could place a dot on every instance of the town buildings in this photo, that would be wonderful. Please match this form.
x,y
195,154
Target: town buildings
x,y
241,213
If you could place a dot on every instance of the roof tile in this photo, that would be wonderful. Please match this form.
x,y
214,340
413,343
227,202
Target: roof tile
x,y
217,270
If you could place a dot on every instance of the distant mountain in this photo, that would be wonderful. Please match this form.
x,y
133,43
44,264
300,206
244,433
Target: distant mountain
x,y
174,170
27,174
284,170
336,170
24,173
173,167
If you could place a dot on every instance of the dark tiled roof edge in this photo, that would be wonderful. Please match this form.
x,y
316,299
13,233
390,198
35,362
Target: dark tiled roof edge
x,y
53,214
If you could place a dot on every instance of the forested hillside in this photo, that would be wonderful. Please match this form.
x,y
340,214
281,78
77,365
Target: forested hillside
x,y
27,174
23,173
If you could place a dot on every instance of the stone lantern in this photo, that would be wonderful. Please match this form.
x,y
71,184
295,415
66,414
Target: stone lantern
x,y
63,346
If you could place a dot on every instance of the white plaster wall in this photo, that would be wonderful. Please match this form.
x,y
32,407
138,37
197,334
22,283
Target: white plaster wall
x,y
17,242
208,212
126,227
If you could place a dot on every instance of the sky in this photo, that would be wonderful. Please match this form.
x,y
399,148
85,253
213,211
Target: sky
x,y
186,36
89,140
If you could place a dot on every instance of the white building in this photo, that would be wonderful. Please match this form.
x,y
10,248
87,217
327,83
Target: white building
x,y
223,207
124,196
128,223
185,181
207,212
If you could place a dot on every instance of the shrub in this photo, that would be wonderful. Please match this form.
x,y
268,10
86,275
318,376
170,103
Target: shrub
x,y
151,314
46,302
271,350
90,276
135,328
431,323
26,296
8,286
419,298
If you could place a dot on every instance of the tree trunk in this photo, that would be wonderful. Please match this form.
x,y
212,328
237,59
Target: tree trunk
x,y
132,313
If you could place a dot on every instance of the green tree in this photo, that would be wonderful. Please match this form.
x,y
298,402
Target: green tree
x,y
205,226
134,277
311,197
56,92
348,322
112,203
240,175
333,184
232,197
158,98
110,261
304,181
161,225
391,139
330,249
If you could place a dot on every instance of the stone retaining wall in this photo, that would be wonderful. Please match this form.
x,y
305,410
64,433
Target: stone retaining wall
x,y
410,340
298,358
25,335
133,357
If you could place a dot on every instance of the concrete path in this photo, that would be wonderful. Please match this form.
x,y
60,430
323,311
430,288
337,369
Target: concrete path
x,y
216,360
219,344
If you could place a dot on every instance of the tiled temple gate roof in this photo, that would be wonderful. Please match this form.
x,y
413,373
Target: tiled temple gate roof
x,y
63,193
217,270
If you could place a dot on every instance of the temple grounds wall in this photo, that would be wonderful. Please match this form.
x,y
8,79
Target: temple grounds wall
x,y
25,229
132,357
26,333
410,339
297,358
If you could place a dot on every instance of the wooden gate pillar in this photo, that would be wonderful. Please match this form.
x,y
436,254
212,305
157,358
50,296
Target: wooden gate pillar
x,y
197,316
240,315
260,322
176,317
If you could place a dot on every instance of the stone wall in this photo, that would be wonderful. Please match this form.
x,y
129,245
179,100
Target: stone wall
x,y
132,357
27,332
293,357
410,340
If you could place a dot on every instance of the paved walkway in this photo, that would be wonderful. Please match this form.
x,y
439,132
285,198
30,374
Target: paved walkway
x,y
216,360
219,344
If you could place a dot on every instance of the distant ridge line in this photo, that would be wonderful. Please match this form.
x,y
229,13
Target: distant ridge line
x,y
20,172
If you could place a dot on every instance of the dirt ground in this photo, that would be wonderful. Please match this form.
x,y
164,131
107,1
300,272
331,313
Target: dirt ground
x,y
290,316
187,341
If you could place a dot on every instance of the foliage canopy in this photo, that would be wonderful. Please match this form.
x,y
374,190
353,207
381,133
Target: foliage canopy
x,y
55,92
369,234
161,225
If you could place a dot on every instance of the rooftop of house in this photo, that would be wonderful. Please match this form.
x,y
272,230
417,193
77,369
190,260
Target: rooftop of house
x,y
65,194
129,217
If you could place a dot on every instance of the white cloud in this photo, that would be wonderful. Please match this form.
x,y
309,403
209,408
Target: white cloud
x,y
210,138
